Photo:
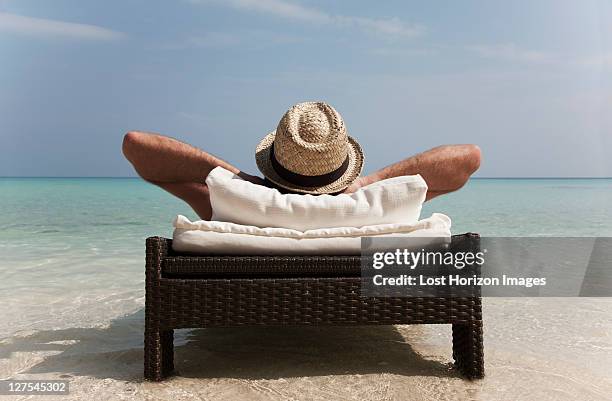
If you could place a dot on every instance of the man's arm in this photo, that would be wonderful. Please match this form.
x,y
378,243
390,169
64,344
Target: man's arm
x,y
444,168
177,167
160,159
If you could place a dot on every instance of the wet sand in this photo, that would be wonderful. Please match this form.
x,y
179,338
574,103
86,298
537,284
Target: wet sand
x,y
535,349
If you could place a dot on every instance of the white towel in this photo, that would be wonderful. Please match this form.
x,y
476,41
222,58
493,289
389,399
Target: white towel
x,y
221,238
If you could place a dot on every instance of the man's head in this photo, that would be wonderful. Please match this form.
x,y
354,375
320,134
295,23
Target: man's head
x,y
310,151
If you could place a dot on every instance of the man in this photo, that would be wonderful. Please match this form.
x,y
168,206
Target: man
x,y
309,152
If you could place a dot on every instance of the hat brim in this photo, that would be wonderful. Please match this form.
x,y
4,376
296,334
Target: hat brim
x,y
355,155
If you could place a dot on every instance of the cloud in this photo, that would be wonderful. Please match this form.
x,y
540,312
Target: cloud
x,y
214,39
40,27
389,27
596,61
279,8
403,52
205,40
511,52
254,39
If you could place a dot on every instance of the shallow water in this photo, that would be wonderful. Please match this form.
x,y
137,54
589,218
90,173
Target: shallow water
x,y
72,293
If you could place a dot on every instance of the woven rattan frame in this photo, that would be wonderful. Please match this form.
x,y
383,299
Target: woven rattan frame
x,y
179,295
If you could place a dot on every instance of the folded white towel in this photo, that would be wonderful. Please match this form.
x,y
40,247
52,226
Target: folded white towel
x,y
216,237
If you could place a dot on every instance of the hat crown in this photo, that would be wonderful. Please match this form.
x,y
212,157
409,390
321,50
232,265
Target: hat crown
x,y
311,139
313,126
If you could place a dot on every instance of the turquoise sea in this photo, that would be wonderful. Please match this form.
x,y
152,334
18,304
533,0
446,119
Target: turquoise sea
x,y
73,248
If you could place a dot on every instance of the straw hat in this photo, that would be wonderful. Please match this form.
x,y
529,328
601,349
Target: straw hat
x,y
310,151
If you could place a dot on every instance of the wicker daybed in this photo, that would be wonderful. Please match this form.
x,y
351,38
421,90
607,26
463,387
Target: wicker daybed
x,y
185,291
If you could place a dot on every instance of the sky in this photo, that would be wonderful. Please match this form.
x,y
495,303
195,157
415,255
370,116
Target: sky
x,y
530,82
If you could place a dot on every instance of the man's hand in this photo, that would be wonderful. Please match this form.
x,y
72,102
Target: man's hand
x,y
355,185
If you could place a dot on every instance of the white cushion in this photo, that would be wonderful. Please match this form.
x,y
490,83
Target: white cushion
x,y
221,238
394,200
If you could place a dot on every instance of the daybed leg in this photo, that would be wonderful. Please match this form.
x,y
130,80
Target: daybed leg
x,y
158,343
468,349
167,337
158,354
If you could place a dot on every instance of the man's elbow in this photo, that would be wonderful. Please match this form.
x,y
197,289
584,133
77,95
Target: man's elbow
x,y
468,164
130,144
132,147
472,159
